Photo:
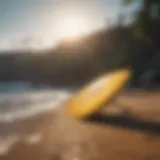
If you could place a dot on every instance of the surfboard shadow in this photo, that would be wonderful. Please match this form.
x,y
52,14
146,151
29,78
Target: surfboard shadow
x,y
126,123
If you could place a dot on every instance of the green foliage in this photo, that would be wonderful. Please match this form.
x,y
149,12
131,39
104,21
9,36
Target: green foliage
x,y
77,62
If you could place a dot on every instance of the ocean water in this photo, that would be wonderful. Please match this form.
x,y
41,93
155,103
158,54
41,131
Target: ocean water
x,y
19,100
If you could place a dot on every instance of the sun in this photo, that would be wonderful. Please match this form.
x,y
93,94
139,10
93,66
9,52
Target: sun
x,y
73,27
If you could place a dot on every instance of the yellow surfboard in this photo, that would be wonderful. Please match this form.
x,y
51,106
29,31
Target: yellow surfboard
x,y
93,97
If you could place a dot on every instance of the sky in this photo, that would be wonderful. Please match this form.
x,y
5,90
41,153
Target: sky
x,y
43,23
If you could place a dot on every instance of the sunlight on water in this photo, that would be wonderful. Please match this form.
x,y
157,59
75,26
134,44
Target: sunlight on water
x,y
21,105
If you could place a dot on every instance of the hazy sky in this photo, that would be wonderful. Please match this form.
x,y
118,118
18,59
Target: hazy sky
x,y
42,21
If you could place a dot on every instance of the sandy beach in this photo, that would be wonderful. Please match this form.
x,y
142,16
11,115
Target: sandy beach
x,y
129,129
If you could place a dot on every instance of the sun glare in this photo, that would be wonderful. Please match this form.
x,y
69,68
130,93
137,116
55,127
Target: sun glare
x,y
73,27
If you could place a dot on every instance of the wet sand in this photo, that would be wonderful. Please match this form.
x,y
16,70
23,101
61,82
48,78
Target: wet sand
x,y
54,136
